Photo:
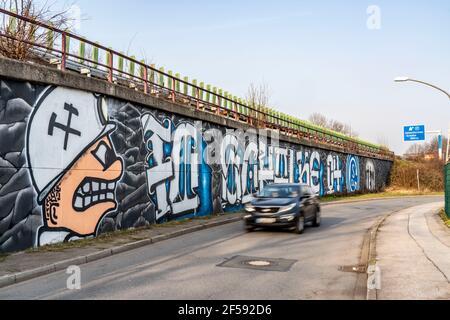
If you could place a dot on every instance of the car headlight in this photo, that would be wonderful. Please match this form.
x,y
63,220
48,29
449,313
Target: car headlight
x,y
249,208
287,208
288,217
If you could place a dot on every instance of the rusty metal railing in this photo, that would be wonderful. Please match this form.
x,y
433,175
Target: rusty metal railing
x,y
115,67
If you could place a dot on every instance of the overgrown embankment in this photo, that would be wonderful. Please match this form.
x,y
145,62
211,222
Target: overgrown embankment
x,y
404,175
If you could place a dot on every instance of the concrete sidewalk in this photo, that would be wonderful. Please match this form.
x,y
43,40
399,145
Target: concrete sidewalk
x,y
413,250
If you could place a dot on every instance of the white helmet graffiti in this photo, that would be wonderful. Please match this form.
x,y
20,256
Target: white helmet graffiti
x,y
65,122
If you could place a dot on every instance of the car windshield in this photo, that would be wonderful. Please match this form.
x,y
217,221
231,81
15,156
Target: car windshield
x,y
279,192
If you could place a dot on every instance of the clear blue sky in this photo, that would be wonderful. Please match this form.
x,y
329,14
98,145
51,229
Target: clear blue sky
x,y
316,56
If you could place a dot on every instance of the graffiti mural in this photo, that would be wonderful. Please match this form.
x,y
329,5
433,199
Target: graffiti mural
x,y
75,175
75,164
353,174
370,176
178,181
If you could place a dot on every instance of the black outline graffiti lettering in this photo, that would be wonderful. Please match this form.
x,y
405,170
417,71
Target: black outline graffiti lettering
x,y
66,128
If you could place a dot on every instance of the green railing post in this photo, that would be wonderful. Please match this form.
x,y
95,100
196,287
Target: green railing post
x,y
186,86
214,98
82,51
225,103
208,95
170,80
110,64
235,104
12,23
142,70
161,77
202,86
194,88
241,109
50,39
120,64
67,44
220,102
132,67
177,83
95,56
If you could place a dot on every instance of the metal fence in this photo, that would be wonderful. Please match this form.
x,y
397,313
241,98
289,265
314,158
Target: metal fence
x,y
71,52
447,188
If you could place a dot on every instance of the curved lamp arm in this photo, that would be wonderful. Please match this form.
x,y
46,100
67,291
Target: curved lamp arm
x,y
430,85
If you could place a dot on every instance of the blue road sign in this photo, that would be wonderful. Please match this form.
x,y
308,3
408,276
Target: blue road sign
x,y
414,133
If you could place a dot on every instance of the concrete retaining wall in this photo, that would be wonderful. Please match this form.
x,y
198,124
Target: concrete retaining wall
x,y
80,157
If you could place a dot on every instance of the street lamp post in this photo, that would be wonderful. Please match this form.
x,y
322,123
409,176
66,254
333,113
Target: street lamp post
x,y
406,79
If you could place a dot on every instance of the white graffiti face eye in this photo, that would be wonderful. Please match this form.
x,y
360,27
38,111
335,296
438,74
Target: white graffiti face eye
x,y
105,155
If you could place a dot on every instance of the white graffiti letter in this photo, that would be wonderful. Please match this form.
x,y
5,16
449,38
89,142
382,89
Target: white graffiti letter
x,y
334,174
156,135
231,160
74,280
315,171
185,157
249,171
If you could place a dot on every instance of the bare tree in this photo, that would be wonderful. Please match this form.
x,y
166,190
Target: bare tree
x,y
419,150
320,120
337,126
18,35
258,95
383,142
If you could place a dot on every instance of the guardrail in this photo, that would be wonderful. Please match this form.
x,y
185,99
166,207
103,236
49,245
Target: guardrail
x,y
95,60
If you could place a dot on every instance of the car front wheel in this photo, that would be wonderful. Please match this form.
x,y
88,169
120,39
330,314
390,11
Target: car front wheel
x,y
249,228
300,226
317,219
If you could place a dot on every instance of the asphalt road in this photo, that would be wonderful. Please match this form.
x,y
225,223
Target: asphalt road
x,y
187,267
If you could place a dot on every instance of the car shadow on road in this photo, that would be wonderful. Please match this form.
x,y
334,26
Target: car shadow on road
x,y
331,221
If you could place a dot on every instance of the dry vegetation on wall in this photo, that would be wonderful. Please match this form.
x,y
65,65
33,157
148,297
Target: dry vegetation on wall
x,y
19,35
404,175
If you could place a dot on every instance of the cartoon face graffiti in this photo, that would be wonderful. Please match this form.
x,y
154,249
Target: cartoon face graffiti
x,y
73,164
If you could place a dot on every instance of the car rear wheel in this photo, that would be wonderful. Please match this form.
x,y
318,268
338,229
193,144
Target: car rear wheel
x,y
317,218
300,226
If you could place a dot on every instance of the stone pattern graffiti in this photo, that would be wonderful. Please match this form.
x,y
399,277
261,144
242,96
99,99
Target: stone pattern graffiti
x,y
108,165
20,214
135,208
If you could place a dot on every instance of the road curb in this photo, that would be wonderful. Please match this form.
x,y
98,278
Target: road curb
x,y
376,199
15,278
11,279
373,284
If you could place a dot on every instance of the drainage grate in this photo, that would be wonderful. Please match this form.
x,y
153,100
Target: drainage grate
x,y
265,264
356,269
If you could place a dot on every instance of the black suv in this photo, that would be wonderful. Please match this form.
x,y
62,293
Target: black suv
x,y
283,206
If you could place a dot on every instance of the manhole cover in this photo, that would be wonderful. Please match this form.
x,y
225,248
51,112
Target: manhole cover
x,y
266,264
259,263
